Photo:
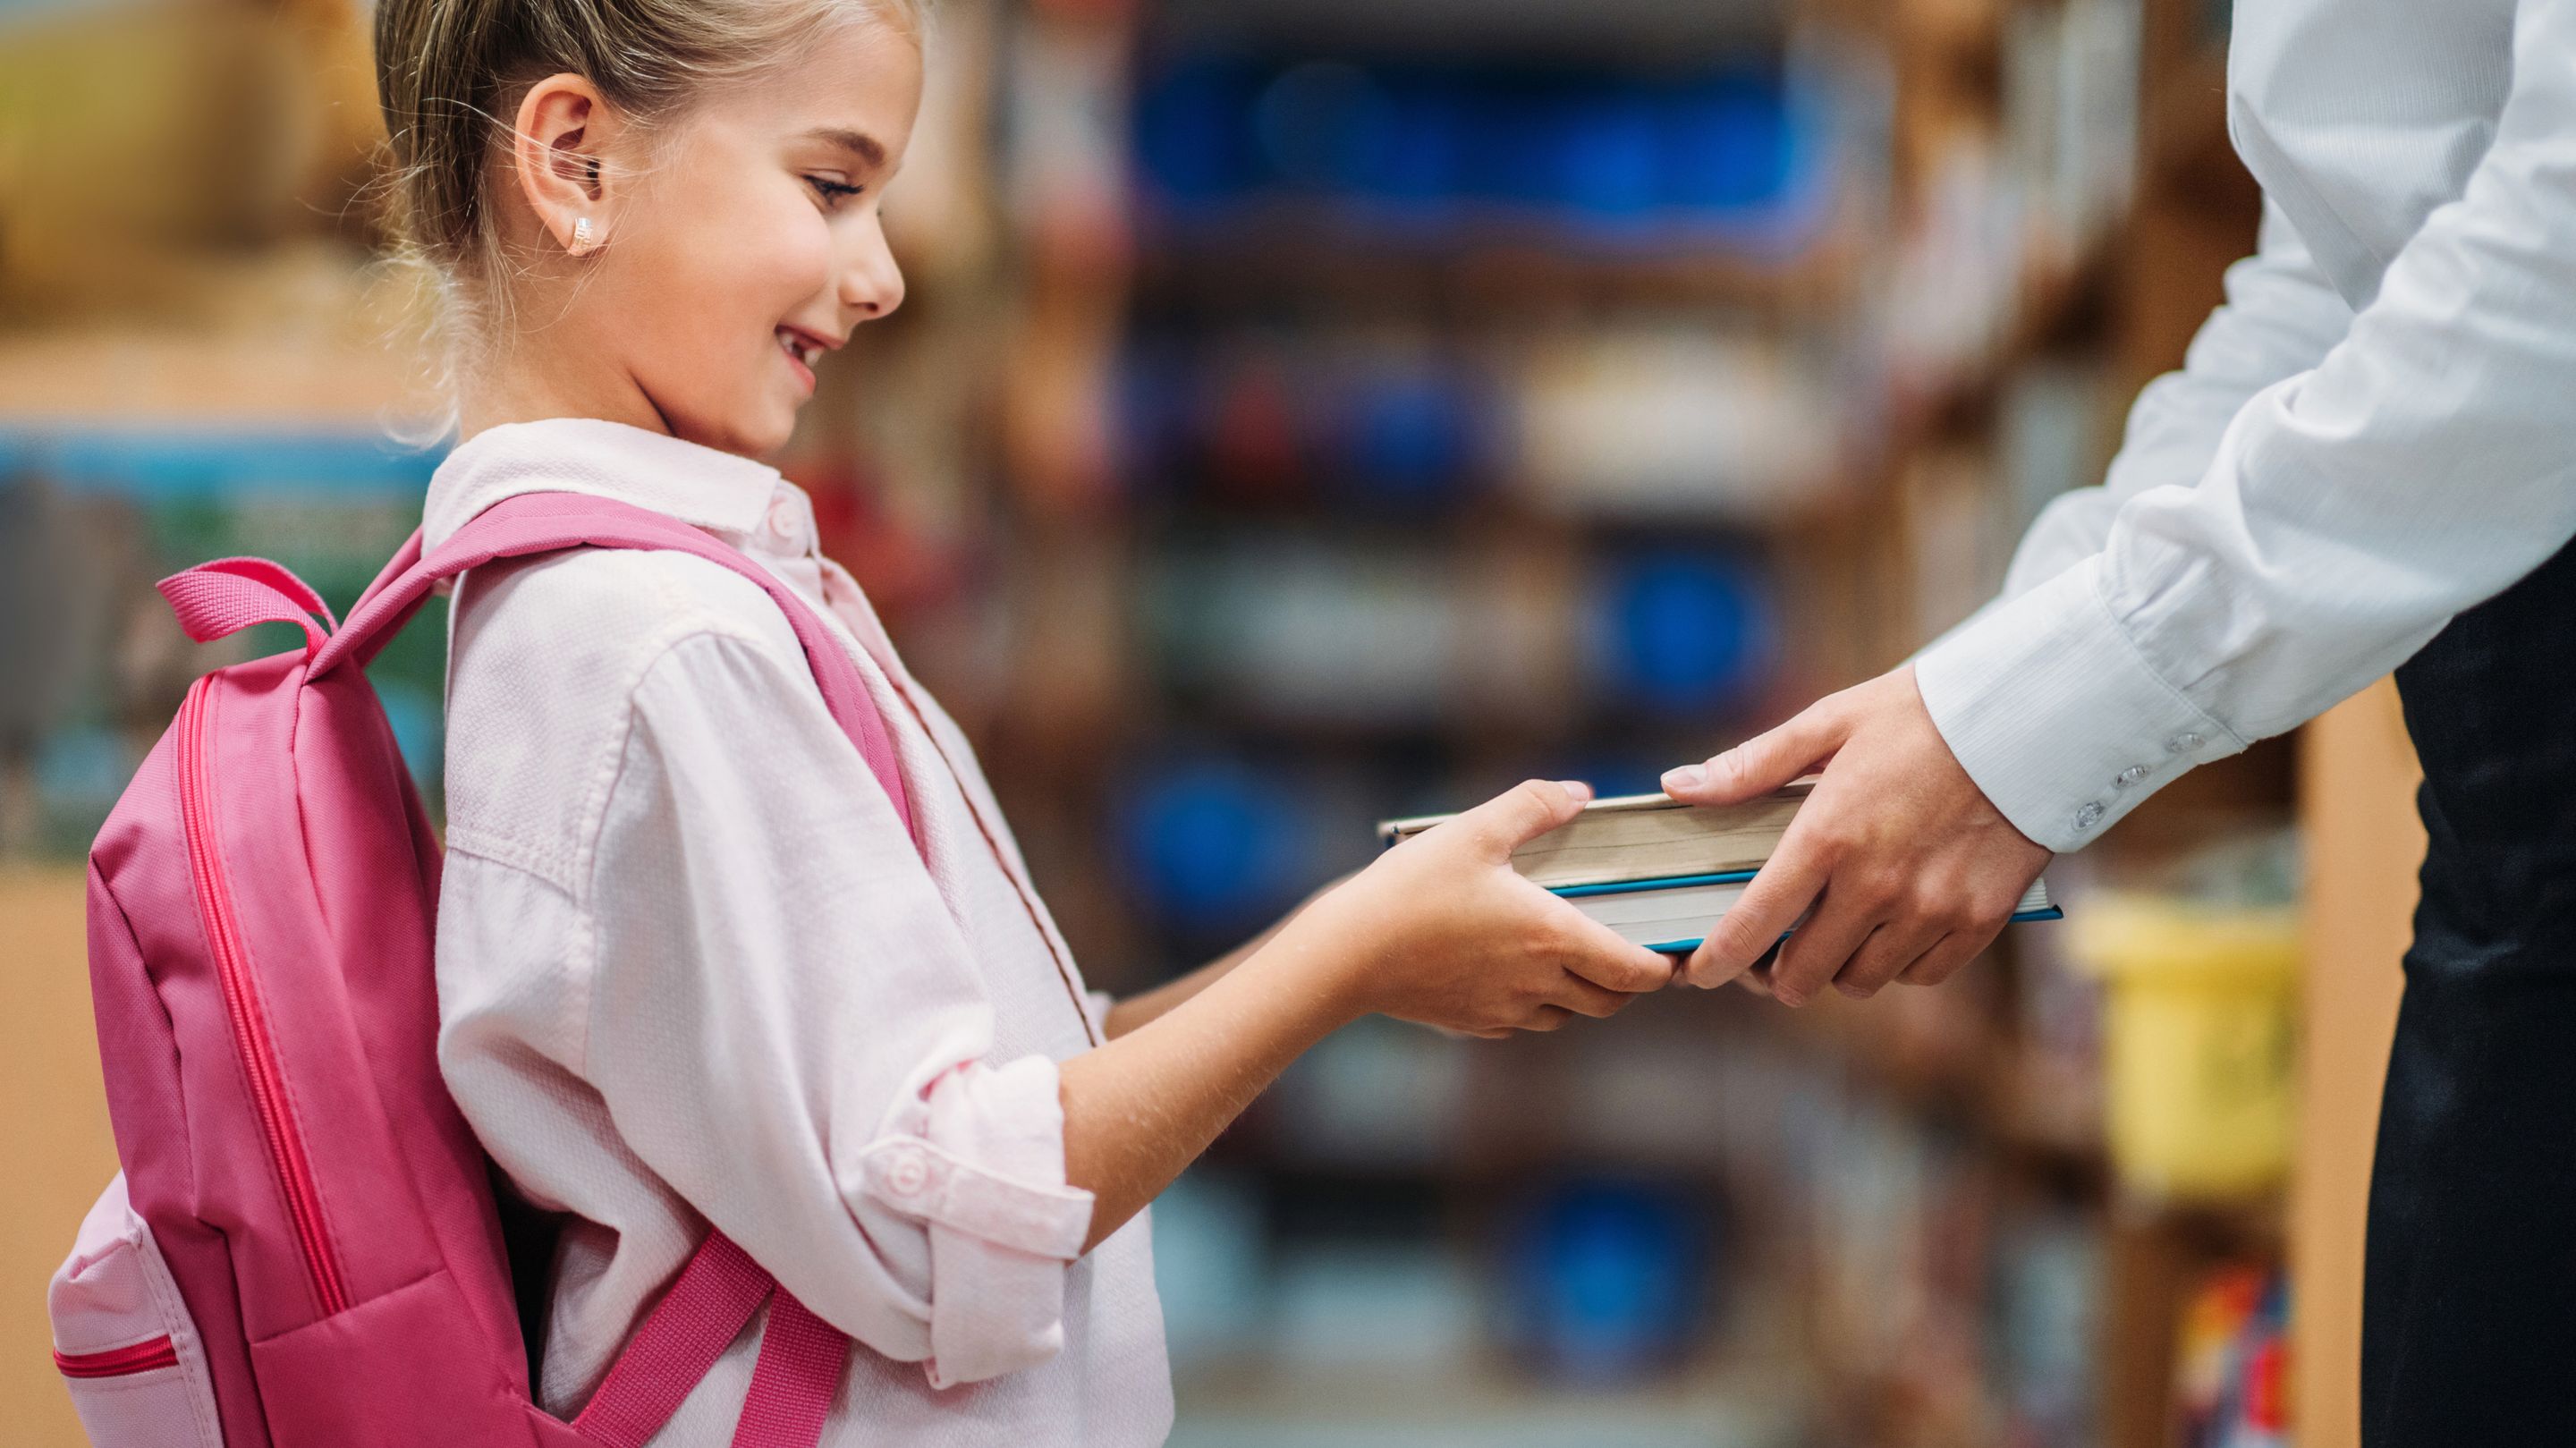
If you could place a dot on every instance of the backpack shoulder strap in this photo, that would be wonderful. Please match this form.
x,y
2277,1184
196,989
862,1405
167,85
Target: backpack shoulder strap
x,y
721,1288
532,523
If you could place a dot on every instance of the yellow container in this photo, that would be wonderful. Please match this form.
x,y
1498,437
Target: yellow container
x,y
2200,1040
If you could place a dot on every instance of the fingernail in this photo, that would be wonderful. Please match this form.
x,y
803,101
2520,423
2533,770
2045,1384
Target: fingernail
x,y
1689,776
1575,787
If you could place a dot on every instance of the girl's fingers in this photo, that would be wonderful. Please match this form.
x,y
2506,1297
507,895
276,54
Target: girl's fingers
x,y
1546,1018
1586,999
1523,813
1604,957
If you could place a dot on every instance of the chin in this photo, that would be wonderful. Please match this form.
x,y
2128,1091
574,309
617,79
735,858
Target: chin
x,y
753,435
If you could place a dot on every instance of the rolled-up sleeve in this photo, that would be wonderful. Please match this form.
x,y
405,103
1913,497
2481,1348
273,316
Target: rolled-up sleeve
x,y
787,1026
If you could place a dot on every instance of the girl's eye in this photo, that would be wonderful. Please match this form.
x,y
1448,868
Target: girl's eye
x,y
832,192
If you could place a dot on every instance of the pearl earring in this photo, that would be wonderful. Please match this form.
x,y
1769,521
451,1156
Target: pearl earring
x,y
581,236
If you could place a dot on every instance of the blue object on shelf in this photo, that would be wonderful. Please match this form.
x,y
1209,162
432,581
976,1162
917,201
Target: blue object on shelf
x,y
1720,156
1191,133
1318,123
1730,142
1215,848
1604,160
1410,436
1609,1276
1679,632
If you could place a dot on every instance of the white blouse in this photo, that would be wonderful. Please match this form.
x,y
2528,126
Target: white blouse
x,y
691,969
2374,434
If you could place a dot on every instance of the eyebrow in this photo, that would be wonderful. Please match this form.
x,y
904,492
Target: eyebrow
x,y
869,151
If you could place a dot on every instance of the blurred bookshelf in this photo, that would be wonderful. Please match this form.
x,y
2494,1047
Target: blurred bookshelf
x,y
1307,414
1571,396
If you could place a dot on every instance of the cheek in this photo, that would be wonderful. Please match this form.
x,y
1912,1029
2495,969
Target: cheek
x,y
739,267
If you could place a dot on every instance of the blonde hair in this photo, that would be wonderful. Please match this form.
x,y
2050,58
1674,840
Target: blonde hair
x,y
450,74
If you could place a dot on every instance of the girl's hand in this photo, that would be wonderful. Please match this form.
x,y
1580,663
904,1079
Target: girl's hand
x,y
1439,930
1443,931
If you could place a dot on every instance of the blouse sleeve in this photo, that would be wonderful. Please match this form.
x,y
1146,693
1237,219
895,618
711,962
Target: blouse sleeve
x,y
786,1026
2347,511
2279,318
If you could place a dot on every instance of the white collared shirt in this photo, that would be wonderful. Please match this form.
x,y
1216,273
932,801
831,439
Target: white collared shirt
x,y
2376,432
692,969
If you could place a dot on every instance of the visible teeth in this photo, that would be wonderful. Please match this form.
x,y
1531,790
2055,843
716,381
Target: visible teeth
x,y
803,351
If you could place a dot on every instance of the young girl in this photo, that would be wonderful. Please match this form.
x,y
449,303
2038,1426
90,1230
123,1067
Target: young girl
x,y
692,971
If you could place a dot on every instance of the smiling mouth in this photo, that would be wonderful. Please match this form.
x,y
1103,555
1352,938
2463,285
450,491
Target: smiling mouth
x,y
797,347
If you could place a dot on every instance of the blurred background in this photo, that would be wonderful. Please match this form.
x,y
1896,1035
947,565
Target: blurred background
x,y
1312,412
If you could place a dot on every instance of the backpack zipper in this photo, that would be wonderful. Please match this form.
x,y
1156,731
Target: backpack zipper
x,y
119,1362
242,1004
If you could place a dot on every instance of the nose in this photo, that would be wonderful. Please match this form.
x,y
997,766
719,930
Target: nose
x,y
872,284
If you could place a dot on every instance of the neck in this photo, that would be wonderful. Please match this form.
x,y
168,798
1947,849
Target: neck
x,y
525,386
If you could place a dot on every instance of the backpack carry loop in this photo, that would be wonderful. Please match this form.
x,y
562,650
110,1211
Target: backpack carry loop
x,y
718,1292
230,594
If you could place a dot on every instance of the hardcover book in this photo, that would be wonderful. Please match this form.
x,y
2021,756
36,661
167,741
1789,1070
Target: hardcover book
x,y
1660,872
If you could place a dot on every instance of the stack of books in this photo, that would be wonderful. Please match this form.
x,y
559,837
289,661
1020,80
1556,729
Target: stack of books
x,y
1661,872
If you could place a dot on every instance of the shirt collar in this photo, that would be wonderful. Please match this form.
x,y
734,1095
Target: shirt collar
x,y
726,494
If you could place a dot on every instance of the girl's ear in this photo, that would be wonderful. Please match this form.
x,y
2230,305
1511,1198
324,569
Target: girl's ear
x,y
564,124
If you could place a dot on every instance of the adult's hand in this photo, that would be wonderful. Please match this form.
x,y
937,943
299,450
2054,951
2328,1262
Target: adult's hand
x,y
1910,870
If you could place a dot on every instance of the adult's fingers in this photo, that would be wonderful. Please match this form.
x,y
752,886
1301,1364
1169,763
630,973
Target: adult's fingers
x,y
1523,813
1764,762
1890,949
1825,941
1545,1018
1944,959
1757,976
1778,895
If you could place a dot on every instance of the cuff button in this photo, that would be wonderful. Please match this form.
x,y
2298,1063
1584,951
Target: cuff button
x,y
2183,743
2130,776
907,1174
2087,816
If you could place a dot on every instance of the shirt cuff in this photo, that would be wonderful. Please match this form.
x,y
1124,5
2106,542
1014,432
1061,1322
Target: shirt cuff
x,y
986,1174
2051,709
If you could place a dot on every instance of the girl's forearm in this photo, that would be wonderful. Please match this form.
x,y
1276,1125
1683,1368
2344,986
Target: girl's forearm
x,y
1142,1107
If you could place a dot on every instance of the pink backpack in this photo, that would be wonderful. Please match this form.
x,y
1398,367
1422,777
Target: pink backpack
x,y
303,1250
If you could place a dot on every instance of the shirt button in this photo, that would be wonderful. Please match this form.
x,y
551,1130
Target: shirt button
x,y
782,518
2131,775
2089,815
2183,743
907,1174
